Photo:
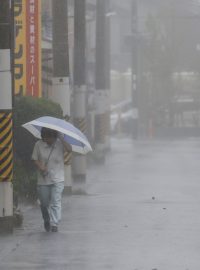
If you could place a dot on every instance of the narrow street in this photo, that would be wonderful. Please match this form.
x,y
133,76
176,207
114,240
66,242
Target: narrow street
x,y
141,212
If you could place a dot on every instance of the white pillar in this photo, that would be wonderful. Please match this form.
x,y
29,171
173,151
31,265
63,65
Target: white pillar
x,y
6,199
61,93
5,80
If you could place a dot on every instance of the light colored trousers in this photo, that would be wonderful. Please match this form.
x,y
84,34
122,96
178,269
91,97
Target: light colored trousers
x,y
50,199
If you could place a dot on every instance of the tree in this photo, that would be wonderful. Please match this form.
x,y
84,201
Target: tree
x,y
26,109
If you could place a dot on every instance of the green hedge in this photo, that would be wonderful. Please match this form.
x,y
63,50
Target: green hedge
x,y
26,109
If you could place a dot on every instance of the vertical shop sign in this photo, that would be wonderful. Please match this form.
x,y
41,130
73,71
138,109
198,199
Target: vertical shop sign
x,y
27,56
33,53
20,47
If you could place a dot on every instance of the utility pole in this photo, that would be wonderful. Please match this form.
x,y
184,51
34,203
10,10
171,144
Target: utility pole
x,y
79,108
101,93
134,29
6,129
60,82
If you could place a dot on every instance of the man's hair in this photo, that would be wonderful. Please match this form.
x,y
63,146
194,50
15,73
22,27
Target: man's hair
x,y
48,133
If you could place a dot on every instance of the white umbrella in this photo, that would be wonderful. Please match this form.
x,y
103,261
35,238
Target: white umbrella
x,y
72,135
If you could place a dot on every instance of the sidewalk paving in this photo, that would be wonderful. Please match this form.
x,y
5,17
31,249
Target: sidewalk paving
x,y
141,212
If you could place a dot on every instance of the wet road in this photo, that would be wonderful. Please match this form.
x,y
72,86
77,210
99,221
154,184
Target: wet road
x,y
142,212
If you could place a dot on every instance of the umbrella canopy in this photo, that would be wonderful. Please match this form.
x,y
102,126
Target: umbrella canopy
x,y
72,135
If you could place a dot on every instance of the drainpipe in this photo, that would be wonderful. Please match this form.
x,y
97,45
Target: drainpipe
x,y
108,17
101,93
134,29
79,108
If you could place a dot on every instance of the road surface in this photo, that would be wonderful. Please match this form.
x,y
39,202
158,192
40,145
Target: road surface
x,y
141,212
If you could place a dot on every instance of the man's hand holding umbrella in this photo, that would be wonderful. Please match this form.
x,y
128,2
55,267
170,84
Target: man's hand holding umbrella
x,y
66,145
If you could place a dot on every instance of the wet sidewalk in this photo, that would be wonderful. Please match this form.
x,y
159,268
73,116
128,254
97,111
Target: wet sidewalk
x,y
141,212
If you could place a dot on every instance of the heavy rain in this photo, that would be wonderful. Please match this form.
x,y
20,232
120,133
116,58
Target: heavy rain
x,y
99,134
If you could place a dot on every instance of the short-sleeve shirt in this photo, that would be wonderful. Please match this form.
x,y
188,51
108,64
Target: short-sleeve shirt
x,y
55,165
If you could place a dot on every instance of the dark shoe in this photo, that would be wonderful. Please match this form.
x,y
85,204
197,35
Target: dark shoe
x,y
47,226
54,228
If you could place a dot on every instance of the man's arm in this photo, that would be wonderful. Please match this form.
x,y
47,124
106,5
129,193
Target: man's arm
x,y
40,166
66,145
35,158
